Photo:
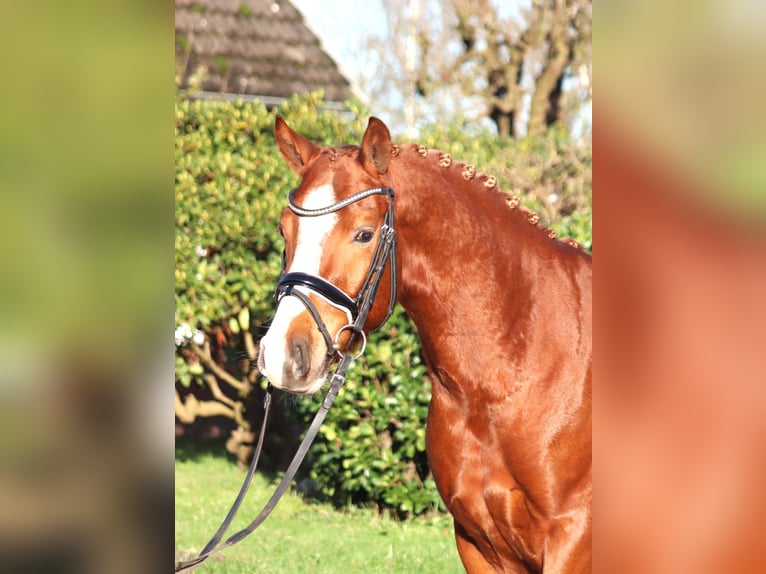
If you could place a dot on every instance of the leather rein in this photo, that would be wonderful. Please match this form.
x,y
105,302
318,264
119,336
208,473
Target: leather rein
x,y
299,285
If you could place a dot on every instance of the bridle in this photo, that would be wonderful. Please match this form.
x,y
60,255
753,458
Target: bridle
x,y
357,310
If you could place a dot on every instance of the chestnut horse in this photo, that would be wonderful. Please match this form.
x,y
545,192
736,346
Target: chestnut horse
x,y
503,311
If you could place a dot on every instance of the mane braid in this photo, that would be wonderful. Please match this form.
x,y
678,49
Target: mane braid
x,y
489,182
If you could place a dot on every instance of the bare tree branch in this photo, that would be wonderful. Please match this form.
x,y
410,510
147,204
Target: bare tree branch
x,y
215,389
474,56
252,353
206,359
191,408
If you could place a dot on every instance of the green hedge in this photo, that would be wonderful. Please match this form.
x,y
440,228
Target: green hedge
x,y
231,185
371,450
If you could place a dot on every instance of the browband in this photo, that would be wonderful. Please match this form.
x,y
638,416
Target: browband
x,y
335,206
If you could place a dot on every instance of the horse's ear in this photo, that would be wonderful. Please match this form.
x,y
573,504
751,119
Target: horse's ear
x,y
297,150
376,148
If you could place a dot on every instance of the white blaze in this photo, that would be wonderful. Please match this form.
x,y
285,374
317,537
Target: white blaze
x,y
312,232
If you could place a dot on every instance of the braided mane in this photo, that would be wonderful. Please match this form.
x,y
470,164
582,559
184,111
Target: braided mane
x,y
478,179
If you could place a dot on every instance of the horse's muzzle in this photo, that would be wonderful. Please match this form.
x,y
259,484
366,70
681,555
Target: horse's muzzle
x,y
296,368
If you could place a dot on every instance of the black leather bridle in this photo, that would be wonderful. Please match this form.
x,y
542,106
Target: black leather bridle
x,y
356,308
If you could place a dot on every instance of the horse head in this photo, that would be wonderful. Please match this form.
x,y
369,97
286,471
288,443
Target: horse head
x,y
339,272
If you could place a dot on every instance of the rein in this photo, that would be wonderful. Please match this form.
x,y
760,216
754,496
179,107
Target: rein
x,y
357,309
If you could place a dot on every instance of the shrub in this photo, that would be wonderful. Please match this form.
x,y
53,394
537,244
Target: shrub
x,y
371,450
231,186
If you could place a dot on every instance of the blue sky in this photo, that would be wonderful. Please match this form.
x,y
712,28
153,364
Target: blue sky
x,y
343,26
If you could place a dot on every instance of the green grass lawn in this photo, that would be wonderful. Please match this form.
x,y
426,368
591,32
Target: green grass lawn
x,y
298,537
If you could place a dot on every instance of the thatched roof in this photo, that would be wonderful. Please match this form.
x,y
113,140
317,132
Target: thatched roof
x,y
256,48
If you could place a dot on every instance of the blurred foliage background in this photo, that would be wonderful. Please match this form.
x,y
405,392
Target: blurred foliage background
x,y
231,186
86,204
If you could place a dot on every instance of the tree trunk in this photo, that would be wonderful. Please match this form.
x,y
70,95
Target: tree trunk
x,y
553,114
549,80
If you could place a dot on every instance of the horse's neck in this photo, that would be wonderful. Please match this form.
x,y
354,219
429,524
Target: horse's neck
x,y
467,262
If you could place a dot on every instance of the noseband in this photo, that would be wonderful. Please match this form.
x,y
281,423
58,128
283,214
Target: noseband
x,y
357,308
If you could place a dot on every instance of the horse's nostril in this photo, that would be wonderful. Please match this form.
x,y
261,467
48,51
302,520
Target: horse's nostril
x,y
301,359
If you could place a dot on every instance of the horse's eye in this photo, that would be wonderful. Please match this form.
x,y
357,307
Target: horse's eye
x,y
364,236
